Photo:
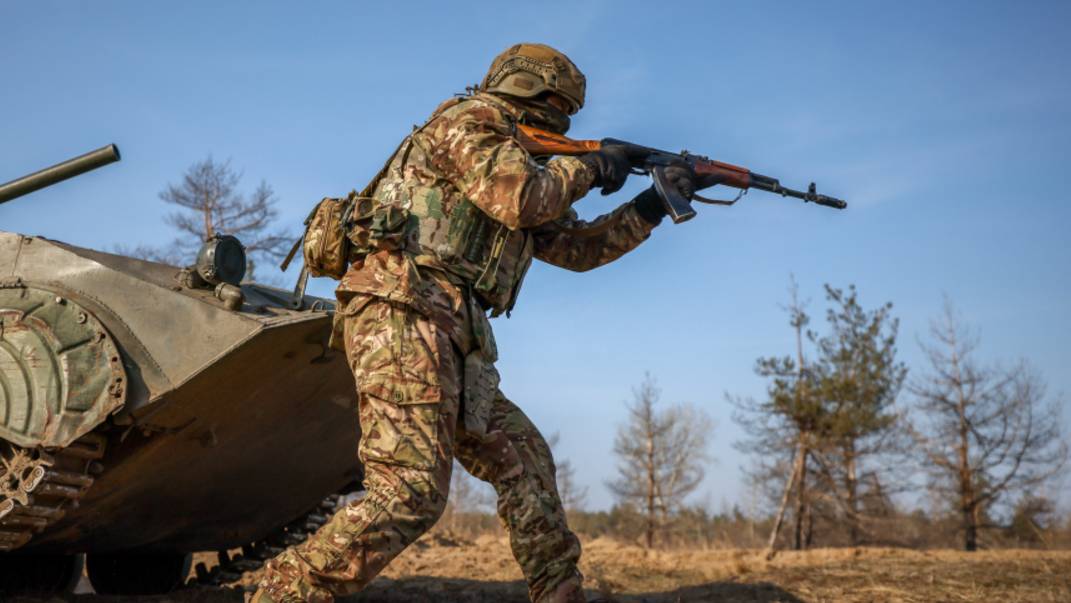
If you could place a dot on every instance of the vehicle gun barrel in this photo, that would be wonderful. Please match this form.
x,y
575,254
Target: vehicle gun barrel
x,y
59,172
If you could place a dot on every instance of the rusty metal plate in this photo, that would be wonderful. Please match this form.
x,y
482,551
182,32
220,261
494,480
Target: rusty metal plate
x,y
61,373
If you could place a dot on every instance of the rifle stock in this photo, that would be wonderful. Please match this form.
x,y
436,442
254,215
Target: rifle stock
x,y
541,142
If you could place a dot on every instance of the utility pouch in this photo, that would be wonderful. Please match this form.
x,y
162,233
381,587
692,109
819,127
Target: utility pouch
x,y
326,248
481,386
483,337
387,227
338,229
330,237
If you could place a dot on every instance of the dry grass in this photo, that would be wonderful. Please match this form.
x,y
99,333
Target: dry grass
x,y
633,574
441,569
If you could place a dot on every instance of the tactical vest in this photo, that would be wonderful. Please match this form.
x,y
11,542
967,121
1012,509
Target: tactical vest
x,y
465,243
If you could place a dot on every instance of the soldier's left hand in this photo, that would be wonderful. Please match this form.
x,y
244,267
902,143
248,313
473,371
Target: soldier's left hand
x,y
687,181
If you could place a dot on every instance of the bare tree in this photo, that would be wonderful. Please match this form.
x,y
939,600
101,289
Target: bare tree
x,y
798,320
783,426
661,453
984,433
574,497
210,203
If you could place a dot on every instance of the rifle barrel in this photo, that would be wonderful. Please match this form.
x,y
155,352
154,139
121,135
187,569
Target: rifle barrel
x,y
772,185
59,172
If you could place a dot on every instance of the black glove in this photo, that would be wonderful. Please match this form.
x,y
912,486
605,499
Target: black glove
x,y
685,179
611,167
650,205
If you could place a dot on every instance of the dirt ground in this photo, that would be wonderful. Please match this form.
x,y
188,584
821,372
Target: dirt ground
x,y
440,569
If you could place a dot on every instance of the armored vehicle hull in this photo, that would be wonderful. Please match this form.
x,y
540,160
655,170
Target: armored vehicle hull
x,y
142,419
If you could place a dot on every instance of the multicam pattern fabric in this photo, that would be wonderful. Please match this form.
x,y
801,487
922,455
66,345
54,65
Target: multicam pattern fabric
x,y
481,208
324,244
409,381
474,209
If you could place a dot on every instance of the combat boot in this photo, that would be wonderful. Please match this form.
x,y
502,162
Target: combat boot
x,y
568,591
258,597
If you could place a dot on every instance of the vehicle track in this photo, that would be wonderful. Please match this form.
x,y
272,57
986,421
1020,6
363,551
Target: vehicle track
x,y
38,487
254,555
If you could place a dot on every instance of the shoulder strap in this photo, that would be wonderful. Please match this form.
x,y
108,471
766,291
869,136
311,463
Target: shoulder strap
x,y
292,253
370,188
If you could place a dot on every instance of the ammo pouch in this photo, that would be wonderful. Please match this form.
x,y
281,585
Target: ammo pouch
x,y
473,245
481,377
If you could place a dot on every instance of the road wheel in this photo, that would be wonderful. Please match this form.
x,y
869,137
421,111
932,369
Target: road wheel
x,y
133,573
39,574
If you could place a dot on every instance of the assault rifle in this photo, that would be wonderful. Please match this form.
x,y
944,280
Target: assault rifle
x,y
646,160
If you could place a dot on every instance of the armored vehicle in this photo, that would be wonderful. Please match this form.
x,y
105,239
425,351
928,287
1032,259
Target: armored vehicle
x,y
148,411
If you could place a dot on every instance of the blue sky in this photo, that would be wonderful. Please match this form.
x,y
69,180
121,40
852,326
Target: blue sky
x,y
945,125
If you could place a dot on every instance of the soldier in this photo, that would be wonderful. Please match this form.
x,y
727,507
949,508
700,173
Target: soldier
x,y
460,211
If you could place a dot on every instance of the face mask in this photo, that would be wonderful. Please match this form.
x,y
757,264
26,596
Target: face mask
x,y
542,115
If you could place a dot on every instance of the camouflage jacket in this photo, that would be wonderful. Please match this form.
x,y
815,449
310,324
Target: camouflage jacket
x,y
470,208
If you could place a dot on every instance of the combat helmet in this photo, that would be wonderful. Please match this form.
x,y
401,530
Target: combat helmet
x,y
527,70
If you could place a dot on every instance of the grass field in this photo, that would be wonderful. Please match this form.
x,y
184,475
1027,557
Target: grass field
x,y
438,568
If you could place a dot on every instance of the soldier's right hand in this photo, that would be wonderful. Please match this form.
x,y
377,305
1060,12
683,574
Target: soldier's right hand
x,y
610,165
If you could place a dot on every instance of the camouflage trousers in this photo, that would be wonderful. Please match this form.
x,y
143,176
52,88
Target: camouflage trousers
x,y
410,380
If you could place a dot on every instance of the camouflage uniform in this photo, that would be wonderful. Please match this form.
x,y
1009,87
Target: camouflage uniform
x,y
462,210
